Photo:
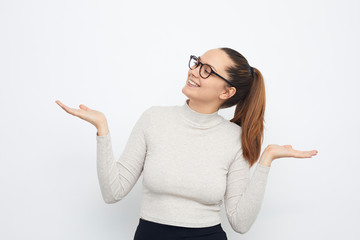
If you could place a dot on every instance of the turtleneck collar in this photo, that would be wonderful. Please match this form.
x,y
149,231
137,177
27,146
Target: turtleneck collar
x,y
199,120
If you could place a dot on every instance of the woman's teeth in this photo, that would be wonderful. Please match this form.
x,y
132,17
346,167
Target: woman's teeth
x,y
193,83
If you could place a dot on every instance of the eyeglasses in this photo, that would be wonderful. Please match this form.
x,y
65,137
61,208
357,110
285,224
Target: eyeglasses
x,y
205,70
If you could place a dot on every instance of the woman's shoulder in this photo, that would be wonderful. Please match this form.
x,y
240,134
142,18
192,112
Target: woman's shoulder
x,y
160,111
232,127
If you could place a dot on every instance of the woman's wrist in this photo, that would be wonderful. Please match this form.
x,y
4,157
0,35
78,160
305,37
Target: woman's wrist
x,y
266,159
102,129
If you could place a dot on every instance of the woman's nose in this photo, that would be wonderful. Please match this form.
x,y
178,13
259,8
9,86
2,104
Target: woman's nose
x,y
195,72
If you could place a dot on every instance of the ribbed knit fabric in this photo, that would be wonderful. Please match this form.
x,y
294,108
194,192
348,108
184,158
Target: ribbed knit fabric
x,y
191,164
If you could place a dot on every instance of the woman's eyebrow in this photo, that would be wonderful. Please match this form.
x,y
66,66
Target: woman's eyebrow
x,y
208,64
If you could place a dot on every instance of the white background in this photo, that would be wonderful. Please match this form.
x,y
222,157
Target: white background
x,y
122,57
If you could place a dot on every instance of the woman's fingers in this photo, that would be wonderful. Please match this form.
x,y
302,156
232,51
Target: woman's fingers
x,y
72,111
92,116
67,109
305,154
277,151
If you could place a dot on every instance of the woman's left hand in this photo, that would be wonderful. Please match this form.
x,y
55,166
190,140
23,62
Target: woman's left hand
x,y
274,151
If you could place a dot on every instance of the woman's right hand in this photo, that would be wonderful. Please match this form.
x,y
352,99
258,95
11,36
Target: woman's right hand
x,y
92,116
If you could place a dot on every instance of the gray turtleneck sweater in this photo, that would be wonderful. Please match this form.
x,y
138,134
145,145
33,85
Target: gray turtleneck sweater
x,y
191,162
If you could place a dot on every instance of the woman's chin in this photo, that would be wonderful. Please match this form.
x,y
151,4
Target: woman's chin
x,y
186,91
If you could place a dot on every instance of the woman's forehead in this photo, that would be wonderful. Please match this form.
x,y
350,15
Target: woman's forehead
x,y
218,59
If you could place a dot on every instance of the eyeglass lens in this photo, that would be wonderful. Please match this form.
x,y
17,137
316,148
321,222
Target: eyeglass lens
x,y
205,70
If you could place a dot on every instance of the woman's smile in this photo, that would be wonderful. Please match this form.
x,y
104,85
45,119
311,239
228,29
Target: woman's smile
x,y
191,83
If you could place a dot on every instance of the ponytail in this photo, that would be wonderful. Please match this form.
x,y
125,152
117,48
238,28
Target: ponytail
x,y
250,116
250,104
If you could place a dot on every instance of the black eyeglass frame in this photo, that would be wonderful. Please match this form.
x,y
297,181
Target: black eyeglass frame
x,y
212,71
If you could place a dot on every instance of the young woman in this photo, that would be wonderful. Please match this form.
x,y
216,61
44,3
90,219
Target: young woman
x,y
191,157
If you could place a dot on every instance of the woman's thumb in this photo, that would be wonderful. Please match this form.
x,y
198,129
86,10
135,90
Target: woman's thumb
x,y
83,107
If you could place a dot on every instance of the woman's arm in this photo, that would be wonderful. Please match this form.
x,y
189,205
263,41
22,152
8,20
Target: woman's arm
x,y
244,196
116,179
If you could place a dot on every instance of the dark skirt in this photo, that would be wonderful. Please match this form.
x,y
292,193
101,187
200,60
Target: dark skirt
x,y
148,230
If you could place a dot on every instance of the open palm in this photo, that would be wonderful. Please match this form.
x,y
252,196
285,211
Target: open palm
x,y
278,151
92,116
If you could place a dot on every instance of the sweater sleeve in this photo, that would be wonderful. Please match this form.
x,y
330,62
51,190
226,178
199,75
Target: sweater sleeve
x,y
117,178
244,197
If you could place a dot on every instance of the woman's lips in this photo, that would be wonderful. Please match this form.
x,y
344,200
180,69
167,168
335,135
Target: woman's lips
x,y
190,85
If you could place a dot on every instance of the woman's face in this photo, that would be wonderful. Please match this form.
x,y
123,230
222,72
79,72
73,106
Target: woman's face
x,y
211,89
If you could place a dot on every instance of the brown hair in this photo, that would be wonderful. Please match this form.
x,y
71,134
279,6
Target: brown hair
x,y
250,104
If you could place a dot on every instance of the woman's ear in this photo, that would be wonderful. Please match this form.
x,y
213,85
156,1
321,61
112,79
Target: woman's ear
x,y
227,93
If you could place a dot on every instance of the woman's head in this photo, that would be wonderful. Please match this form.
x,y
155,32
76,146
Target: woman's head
x,y
212,90
246,91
